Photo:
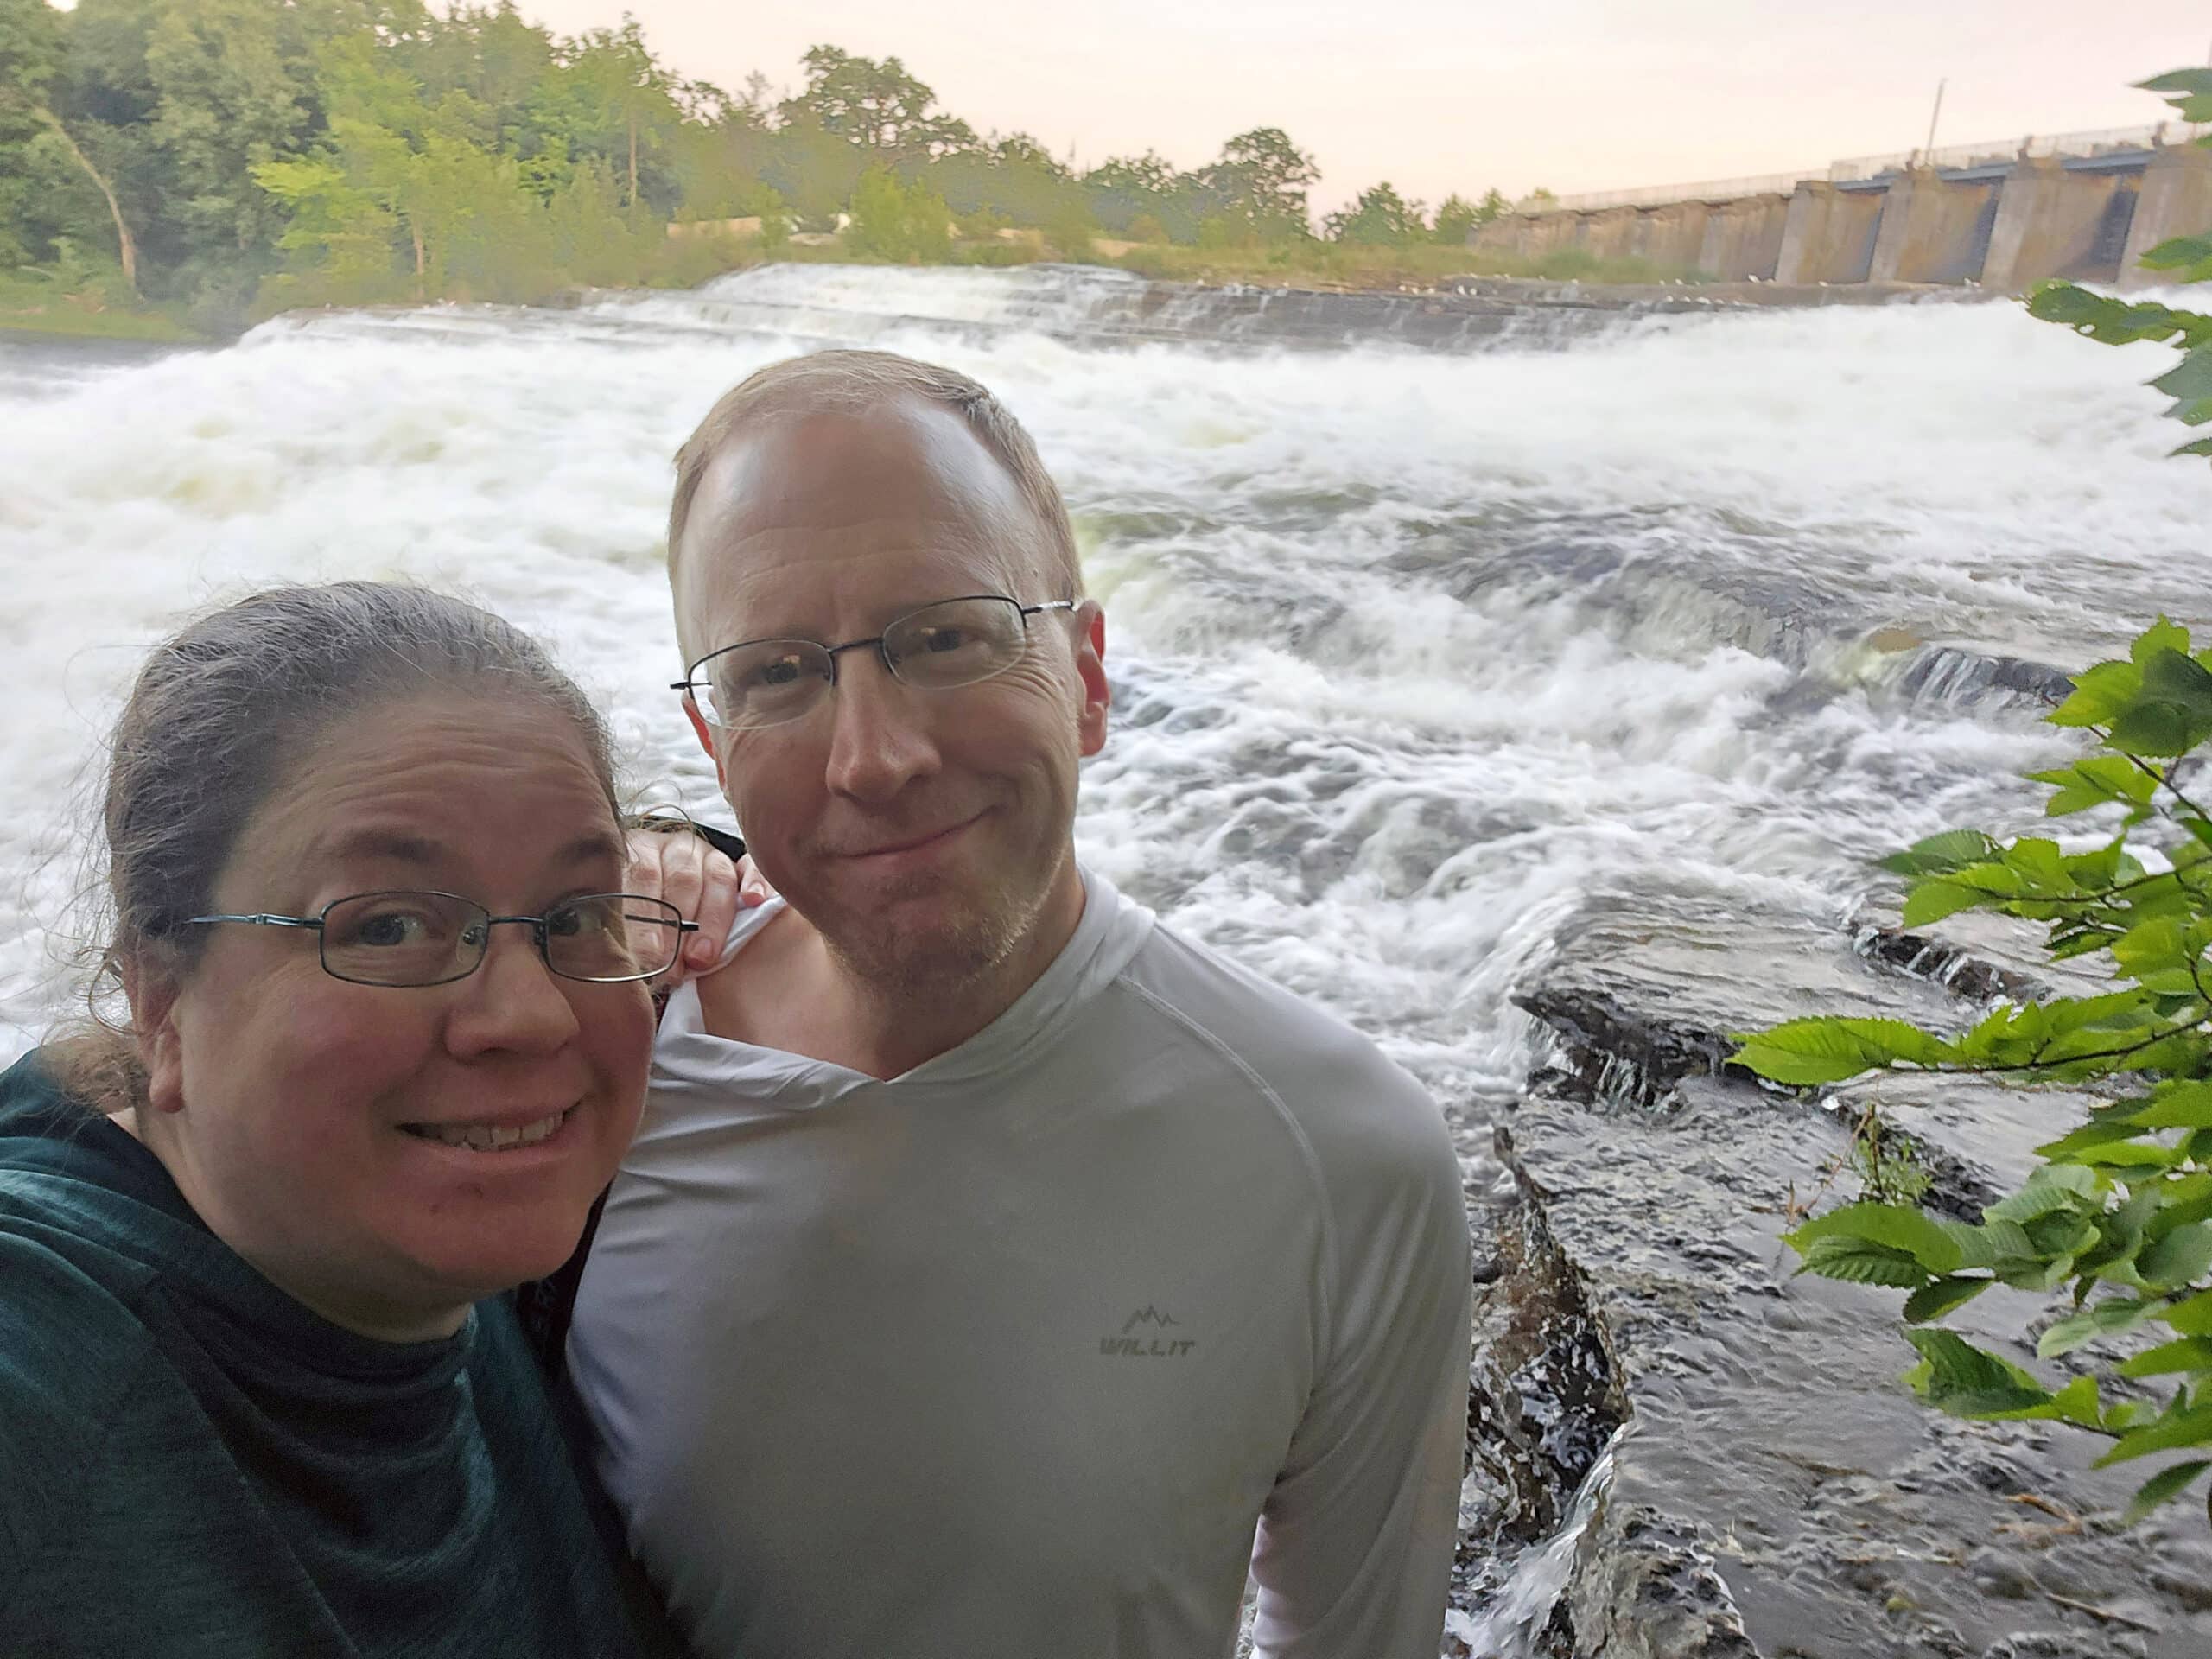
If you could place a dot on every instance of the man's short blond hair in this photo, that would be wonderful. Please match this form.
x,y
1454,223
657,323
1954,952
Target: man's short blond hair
x,y
847,382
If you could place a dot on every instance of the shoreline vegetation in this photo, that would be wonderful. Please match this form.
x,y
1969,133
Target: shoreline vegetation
x,y
176,170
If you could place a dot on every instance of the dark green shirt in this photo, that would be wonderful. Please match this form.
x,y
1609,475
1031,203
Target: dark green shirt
x,y
193,1464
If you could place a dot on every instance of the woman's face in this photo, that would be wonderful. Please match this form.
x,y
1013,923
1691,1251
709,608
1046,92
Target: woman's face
x,y
314,1124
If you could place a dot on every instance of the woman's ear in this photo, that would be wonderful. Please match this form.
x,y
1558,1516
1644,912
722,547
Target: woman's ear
x,y
152,994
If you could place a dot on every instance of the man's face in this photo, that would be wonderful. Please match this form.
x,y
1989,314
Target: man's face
x,y
925,834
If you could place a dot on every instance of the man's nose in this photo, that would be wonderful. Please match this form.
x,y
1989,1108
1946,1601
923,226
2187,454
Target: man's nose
x,y
880,738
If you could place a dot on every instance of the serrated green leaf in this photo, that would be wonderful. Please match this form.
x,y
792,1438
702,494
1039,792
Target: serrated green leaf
x,y
2164,634
2175,1427
2192,1317
2166,1484
2194,447
2180,1105
1895,1226
2078,1402
2184,1354
2039,864
1861,1262
1967,1382
2188,256
1807,1051
2066,1335
2100,694
1954,850
2180,1258
1940,896
1985,1245
1938,1297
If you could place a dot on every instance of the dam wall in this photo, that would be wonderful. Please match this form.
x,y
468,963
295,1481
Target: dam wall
x,y
2004,216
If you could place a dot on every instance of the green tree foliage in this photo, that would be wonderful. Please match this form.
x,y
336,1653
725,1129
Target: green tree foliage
x,y
1256,193
2185,260
1459,218
1380,217
238,156
898,223
2116,1219
876,107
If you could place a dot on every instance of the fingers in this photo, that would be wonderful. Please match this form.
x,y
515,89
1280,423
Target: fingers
x,y
752,888
703,883
716,910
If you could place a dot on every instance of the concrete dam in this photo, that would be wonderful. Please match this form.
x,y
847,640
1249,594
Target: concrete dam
x,y
2002,216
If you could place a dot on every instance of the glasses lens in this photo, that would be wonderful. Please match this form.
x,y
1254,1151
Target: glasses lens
x,y
612,935
957,642
764,684
403,938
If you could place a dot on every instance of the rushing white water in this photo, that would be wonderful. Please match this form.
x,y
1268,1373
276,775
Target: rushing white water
x,y
1414,649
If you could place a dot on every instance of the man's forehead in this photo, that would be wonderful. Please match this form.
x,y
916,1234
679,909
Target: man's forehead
x,y
902,459
891,503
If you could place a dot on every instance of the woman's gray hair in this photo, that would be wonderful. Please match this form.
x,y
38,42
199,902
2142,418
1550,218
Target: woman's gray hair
x,y
222,713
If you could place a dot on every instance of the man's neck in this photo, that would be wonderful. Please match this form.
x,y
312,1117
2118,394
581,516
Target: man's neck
x,y
788,990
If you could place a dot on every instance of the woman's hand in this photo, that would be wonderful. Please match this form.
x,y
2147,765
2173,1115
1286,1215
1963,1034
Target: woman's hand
x,y
681,868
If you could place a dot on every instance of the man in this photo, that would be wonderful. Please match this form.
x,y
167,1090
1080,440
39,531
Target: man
x,y
992,1260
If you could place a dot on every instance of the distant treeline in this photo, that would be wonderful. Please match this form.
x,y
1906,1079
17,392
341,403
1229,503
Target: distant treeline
x,y
232,157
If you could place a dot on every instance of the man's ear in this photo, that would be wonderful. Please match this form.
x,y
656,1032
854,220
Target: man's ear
x,y
706,741
1091,668
152,994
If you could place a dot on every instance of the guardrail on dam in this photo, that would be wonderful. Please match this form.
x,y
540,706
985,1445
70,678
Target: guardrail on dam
x,y
2083,204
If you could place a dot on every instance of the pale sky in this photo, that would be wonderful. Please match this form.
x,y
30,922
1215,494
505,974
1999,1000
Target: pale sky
x,y
1443,95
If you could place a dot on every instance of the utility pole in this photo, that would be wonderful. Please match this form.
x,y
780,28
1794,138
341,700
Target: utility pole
x,y
1928,153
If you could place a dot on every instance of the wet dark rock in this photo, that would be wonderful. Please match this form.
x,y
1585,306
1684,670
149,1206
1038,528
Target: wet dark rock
x,y
1649,988
1835,1516
1808,1503
1546,1395
1646,1586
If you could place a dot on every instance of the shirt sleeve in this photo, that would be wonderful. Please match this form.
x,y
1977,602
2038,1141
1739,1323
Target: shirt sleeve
x,y
1355,1546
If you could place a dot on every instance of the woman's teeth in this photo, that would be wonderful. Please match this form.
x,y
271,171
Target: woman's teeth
x,y
485,1137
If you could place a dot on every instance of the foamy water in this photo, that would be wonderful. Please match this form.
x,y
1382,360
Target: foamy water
x,y
1412,651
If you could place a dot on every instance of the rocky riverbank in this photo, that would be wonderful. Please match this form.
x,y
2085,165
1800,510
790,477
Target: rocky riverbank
x,y
1772,1491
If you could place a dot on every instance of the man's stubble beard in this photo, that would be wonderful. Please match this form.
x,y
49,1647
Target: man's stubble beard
x,y
963,952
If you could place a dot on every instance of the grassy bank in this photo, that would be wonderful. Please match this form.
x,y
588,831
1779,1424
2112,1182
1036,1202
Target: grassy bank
x,y
38,308
33,306
1329,265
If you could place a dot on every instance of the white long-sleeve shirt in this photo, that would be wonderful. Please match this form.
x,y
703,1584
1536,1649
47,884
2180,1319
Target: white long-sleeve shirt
x,y
1004,1358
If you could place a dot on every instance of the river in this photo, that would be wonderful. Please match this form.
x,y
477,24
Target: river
x,y
1415,651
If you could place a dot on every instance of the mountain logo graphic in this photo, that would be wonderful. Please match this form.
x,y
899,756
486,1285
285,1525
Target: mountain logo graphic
x,y
1147,1345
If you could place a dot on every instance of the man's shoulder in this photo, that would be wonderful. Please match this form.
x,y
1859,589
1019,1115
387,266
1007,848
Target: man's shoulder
x,y
1332,1081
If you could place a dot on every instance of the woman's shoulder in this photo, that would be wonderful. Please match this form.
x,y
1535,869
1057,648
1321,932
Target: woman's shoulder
x,y
71,1353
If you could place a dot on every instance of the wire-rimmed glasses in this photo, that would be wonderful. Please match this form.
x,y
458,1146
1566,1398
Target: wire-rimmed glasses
x,y
954,642
405,937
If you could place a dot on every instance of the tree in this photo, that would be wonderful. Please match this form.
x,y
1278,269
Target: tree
x,y
30,62
1380,217
1459,218
2118,1215
234,84
898,223
877,107
1257,189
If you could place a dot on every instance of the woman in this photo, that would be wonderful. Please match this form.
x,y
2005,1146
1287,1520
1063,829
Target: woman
x,y
388,1039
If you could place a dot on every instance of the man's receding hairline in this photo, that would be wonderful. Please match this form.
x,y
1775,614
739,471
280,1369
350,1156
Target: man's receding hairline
x,y
856,382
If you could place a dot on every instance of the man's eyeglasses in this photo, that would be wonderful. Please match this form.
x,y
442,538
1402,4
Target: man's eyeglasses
x,y
954,642
408,938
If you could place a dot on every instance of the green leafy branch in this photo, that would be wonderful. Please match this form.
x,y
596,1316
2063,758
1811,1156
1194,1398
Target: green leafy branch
x,y
2188,258
2118,1217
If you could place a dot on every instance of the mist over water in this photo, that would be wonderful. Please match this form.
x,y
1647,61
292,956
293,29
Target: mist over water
x,y
1411,651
